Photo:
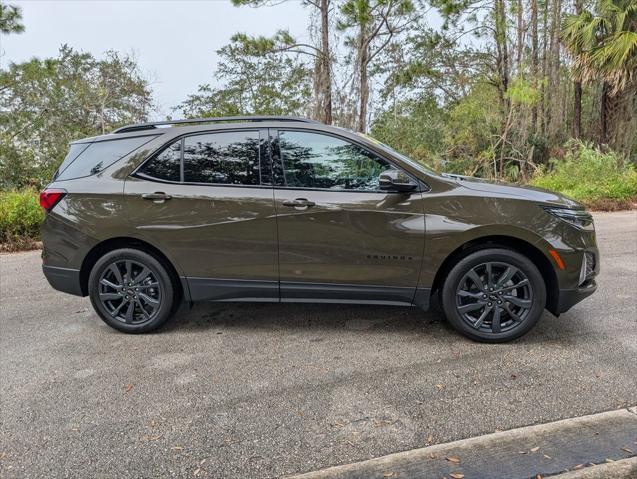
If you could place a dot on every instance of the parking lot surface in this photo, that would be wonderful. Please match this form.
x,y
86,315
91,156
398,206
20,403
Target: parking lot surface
x,y
263,390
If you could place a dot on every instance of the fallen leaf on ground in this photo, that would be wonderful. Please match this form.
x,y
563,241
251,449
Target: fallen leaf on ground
x,y
389,474
430,440
547,456
453,459
457,475
579,466
129,388
627,450
177,448
535,449
609,460
514,376
440,387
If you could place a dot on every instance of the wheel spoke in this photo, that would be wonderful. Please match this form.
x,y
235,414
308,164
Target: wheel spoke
x,y
513,316
495,324
522,303
470,307
106,282
129,312
129,272
482,317
115,271
116,311
146,315
506,276
473,276
148,299
110,296
468,294
141,276
489,275
524,282
147,286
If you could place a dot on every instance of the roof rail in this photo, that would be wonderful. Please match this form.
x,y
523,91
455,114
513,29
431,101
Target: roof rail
x,y
155,124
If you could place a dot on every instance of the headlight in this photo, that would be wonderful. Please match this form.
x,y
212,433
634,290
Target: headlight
x,y
579,218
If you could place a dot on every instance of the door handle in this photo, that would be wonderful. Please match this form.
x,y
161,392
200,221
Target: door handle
x,y
298,203
157,197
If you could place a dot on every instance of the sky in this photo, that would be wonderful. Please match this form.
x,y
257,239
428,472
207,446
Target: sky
x,y
174,41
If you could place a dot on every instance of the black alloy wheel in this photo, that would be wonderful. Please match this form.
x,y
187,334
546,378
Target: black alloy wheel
x,y
494,295
131,291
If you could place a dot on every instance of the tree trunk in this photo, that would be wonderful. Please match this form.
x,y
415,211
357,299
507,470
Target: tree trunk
x,y
604,111
577,97
534,62
326,66
520,45
364,89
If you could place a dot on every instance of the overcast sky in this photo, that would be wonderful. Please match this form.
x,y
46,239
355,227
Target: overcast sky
x,y
173,41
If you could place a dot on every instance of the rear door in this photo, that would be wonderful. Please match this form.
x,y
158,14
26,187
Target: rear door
x,y
204,201
340,237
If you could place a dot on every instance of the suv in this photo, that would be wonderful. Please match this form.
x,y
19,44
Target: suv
x,y
282,209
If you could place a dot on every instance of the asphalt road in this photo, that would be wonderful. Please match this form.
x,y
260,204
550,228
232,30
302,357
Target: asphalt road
x,y
265,390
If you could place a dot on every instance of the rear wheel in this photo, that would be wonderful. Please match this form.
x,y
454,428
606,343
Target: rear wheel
x,y
494,295
131,291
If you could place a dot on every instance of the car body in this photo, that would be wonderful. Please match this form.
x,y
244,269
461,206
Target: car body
x,y
280,209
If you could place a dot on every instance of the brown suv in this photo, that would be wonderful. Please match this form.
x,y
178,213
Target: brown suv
x,y
289,210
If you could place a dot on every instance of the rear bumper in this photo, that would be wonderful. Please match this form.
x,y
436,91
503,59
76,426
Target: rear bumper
x,y
570,297
64,279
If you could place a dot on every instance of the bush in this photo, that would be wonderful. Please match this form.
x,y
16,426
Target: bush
x,y
20,219
599,179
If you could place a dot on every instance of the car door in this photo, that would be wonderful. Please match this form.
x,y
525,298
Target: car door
x,y
203,201
342,238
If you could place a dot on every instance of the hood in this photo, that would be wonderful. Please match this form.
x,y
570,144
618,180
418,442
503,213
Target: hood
x,y
538,195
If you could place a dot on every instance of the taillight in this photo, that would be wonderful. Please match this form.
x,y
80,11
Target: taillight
x,y
51,197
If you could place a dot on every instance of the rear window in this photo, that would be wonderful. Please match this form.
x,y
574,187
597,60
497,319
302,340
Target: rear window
x,y
88,159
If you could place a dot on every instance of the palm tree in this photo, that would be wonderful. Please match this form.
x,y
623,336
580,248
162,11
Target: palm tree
x,y
604,47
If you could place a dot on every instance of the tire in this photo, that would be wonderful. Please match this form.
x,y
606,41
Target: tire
x,y
112,293
500,310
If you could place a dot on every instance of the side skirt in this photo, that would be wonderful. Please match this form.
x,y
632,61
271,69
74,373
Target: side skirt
x,y
226,290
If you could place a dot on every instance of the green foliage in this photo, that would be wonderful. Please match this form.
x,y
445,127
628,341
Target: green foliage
x,y
20,216
256,81
45,104
10,19
590,175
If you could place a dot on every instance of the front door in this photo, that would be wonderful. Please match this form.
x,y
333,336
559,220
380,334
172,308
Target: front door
x,y
204,203
341,238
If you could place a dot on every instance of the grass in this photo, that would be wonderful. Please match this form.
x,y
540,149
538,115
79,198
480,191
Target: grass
x,y
20,219
599,179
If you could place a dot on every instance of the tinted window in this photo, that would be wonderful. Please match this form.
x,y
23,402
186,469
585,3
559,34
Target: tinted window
x,y
312,160
100,155
73,153
165,166
223,158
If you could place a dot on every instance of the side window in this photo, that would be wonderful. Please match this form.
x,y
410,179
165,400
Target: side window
x,y
166,165
229,158
313,160
97,156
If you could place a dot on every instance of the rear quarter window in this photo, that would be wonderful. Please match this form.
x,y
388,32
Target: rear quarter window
x,y
86,160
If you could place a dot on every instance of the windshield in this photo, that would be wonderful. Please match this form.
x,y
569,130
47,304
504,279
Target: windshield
x,y
419,166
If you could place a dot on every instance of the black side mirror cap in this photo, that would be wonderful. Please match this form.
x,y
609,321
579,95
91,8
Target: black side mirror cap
x,y
396,180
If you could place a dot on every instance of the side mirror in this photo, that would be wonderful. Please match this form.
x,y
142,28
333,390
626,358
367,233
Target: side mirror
x,y
396,180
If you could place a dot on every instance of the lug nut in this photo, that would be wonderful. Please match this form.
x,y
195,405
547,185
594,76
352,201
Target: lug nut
x,y
484,296
489,304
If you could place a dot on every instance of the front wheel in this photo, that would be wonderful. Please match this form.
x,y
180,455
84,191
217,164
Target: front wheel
x,y
131,291
494,295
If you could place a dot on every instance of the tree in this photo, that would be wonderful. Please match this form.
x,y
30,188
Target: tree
x,y
604,47
322,78
255,81
45,104
376,23
10,19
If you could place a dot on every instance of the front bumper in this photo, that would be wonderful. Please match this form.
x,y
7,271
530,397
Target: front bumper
x,y
64,279
568,298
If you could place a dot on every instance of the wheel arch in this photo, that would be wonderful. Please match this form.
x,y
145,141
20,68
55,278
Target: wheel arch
x,y
509,242
111,244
